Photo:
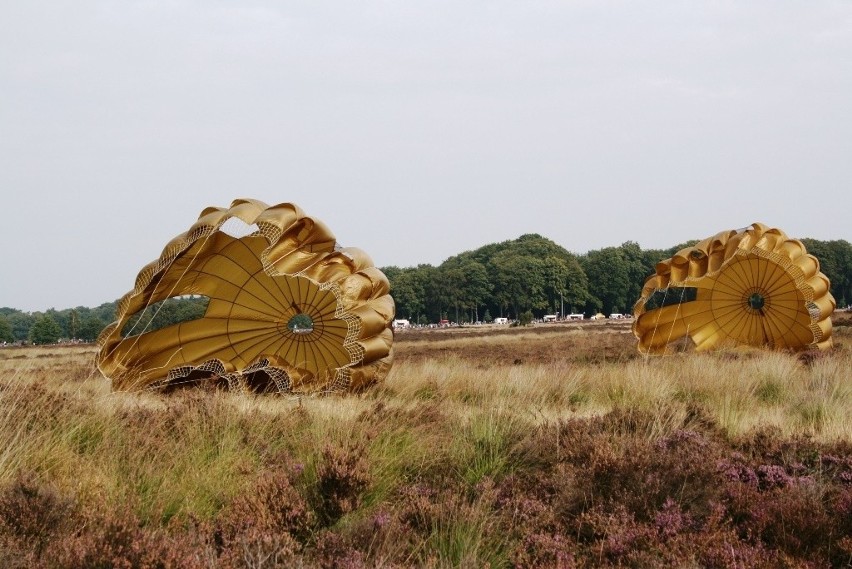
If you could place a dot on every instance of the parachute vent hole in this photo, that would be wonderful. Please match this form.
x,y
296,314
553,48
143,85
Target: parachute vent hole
x,y
301,324
756,301
237,228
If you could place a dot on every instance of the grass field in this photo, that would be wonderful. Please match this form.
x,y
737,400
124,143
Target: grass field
x,y
552,446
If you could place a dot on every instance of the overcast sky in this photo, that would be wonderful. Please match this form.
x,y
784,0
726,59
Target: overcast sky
x,y
414,130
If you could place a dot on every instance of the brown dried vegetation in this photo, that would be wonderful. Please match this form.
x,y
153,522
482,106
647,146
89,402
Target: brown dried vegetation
x,y
555,447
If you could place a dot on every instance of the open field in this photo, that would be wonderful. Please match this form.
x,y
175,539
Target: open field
x,y
553,446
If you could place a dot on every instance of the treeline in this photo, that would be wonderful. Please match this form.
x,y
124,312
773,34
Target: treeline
x,y
52,325
530,276
85,324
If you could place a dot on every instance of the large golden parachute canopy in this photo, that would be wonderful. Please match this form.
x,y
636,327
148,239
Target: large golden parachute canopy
x,y
748,287
288,310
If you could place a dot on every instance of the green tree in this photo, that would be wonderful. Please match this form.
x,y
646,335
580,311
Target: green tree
x,y
520,281
409,293
576,287
638,270
564,281
477,287
835,261
450,287
430,278
609,279
391,272
466,285
60,318
6,334
105,312
91,328
189,309
21,324
73,323
555,282
842,290
45,330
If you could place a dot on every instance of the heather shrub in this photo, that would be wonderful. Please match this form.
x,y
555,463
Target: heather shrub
x,y
545,550
205,449
31,515
643,477
378,538
791,495
119,539
485,452
610,460
455,526
684,498
342,477
258,549
334,551
269,506
791,518
267,525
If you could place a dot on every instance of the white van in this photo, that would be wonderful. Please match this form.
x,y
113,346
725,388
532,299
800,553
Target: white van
x,y
501,320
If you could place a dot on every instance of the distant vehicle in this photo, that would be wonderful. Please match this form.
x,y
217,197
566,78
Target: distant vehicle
x,y
501,320
579,316
616,316
548,318
401,323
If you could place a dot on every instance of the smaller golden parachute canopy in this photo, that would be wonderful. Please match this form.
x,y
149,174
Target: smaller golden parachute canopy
x,y
748,287
287,311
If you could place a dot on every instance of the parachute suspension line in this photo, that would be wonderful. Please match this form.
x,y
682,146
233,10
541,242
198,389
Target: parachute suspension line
x,y
148,302
654,333
657,320
677,310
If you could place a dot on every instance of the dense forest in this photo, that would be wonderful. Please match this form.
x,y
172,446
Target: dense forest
x,y
526,277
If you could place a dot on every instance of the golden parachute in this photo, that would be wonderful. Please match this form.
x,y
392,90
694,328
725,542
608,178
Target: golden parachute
x,y
287,309
748,287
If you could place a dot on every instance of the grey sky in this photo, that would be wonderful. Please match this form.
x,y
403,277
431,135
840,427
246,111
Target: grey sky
x,y
414,130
